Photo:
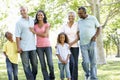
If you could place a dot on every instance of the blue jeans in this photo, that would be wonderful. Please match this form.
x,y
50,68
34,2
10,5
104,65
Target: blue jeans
x,y
12,68
42,52
74,62
89,60
64,67
29,57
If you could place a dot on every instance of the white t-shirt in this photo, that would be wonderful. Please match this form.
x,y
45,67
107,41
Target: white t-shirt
x,y
63,51
71,32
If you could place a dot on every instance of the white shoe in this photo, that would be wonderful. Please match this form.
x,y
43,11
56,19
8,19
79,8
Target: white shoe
x,y
87,78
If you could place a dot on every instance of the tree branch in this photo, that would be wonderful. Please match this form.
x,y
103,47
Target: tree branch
x,y
111,14
101,0
106,19
110,3
90,2
115,13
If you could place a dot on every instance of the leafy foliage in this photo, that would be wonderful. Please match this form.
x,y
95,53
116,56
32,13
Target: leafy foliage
x,y
56,11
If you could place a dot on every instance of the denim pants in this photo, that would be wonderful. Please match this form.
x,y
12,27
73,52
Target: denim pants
x,y
12,68
42,52
89,60
64,68
29,57
74,62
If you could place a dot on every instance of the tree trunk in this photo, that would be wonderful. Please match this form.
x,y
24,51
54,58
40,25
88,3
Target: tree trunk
x,y
101,57
118,50
106,48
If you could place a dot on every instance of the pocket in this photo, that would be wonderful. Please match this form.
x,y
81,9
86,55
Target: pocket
x,y
92,43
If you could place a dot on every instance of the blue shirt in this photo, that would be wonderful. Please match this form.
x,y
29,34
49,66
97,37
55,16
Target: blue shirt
x,y
22,30
87,29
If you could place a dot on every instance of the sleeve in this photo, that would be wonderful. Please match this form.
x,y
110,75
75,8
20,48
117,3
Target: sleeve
x,y
4,48
77,26
97,24
57,50
17,30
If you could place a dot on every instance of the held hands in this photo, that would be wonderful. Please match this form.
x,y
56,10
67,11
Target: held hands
x,y
19,50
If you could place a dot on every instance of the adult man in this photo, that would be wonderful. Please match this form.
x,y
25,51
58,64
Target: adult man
x,y
26,44
89,29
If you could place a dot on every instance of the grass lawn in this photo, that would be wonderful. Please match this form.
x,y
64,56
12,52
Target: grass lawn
x,y
109,71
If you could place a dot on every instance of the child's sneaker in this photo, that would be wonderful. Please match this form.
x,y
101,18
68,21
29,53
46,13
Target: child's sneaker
x,y
87,78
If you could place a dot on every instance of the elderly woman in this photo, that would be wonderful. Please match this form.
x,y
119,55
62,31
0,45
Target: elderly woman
x,y
70,28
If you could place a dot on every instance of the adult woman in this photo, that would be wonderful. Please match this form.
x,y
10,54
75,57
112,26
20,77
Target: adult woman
x,y
70,28
41,29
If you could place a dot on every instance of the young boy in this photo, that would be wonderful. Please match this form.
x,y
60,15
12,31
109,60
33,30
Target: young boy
x,y
10,51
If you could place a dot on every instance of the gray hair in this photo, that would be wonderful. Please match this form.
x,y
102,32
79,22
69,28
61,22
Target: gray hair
x,y
72,12
25,7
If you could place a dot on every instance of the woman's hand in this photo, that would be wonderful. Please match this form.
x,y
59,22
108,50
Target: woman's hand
x,y
32,30
70,44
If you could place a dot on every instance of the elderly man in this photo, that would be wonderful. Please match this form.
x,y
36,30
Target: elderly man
x,y
26,44
89,29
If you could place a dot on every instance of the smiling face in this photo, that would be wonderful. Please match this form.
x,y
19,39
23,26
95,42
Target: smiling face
x,y
71,17
40,16
81,13
23,12
62,38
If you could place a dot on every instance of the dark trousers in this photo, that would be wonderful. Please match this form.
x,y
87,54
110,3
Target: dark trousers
x,y
42,52
74,62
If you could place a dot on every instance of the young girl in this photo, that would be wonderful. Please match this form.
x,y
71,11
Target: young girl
x,y
10,51
63,54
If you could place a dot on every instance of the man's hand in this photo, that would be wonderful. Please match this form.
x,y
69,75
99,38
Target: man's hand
x,y
96,34
93,38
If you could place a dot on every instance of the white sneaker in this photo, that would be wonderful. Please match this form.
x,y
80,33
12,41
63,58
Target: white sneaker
x,y
87,78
